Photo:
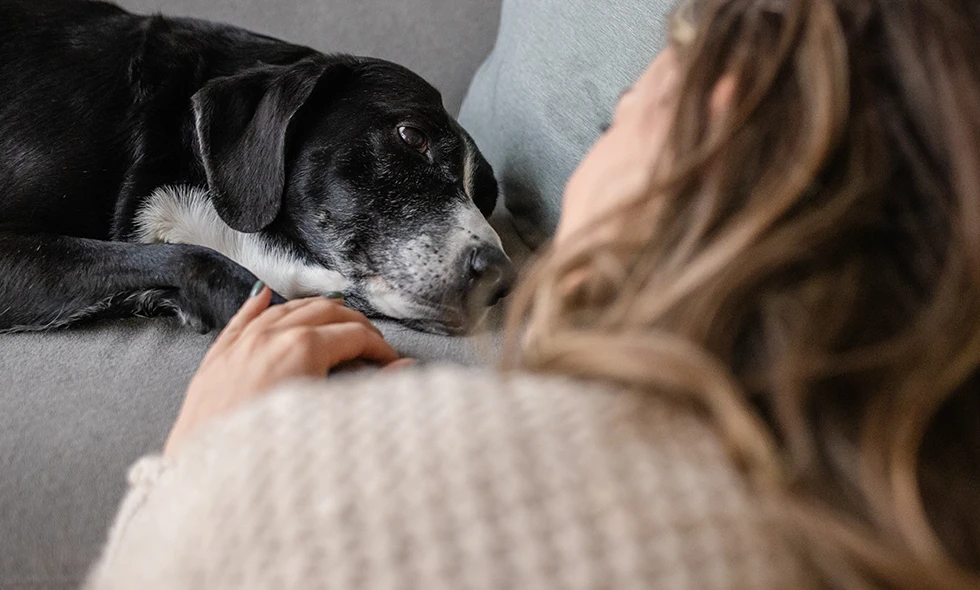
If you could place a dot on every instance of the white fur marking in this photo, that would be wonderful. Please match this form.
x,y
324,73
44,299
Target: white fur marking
x,y
388,301
469,185
184,215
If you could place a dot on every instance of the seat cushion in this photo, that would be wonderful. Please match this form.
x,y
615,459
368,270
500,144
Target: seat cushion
x,y
76,408
540,100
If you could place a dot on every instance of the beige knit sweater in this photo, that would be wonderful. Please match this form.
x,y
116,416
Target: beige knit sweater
x,y
446,479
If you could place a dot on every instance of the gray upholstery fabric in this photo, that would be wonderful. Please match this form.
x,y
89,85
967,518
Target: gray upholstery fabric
x,y
78,406
442,40
539,101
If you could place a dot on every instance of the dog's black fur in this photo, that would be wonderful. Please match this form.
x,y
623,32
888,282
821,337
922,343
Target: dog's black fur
x,y
99,108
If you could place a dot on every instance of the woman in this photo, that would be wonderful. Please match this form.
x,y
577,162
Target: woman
x,y
761,318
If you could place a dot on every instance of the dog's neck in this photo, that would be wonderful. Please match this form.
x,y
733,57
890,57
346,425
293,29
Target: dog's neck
x,y
185,215
230,49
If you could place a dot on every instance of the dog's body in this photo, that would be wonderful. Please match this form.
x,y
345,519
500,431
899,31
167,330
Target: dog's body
x,y
150,164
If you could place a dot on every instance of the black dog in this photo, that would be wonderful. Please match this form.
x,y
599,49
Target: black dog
x,y
151,164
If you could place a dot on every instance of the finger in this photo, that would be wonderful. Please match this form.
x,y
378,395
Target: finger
x,y
277,312
399,365
338,343
271,316
251,309
319,312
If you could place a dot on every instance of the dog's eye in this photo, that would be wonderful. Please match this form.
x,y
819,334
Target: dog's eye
x,y
413,138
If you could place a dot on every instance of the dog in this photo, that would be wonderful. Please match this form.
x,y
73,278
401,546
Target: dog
x,y
153,165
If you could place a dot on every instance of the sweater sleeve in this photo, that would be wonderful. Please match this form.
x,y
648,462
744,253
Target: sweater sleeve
x,y
445,478
142,477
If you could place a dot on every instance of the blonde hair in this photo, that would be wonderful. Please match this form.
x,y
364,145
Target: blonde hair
x,y
805,268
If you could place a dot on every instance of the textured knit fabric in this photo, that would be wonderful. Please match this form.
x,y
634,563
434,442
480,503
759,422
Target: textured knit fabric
x,y
446,479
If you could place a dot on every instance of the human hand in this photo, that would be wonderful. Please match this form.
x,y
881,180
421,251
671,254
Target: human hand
x,y
263,346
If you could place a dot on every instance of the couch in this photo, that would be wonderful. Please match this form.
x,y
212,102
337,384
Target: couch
x,y
78,406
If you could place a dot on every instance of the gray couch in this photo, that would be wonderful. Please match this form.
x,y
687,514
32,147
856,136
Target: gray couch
x,y
77,407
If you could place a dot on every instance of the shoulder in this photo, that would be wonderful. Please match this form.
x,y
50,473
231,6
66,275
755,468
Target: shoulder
x,y
454,477
435,403
454,412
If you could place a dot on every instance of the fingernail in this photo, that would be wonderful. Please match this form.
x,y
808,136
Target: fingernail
x,y
257,288
334,295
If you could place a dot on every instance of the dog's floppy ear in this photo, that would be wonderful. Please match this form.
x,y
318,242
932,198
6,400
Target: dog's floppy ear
x,y
241,128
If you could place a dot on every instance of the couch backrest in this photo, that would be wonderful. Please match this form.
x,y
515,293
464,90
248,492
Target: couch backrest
x,y
540,100
443,40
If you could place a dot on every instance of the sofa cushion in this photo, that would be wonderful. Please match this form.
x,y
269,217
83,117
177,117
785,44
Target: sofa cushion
x,y
442,40
539,101
78,407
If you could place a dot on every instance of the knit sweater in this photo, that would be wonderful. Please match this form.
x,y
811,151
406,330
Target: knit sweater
x,y
442,478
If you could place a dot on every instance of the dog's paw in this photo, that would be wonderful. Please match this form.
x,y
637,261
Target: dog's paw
x,y
213,289
194,322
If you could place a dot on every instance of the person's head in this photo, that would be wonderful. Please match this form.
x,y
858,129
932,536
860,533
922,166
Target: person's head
x,y
783,224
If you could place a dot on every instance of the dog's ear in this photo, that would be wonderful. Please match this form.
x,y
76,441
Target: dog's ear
x,y
241,129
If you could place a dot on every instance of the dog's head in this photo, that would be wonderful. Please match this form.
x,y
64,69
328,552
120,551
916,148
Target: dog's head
x,y
354,164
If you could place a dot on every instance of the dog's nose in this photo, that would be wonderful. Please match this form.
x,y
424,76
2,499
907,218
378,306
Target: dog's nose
x,y
491,273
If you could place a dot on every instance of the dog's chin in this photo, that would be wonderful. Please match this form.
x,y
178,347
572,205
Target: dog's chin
x,y
445,322
437,327
420,315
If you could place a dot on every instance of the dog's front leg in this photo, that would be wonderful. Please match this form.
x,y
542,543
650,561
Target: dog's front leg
x,y
51,281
